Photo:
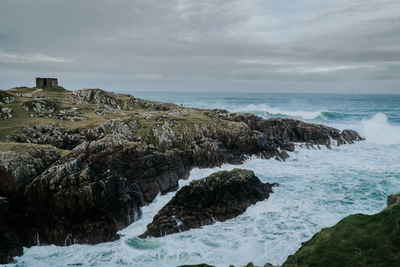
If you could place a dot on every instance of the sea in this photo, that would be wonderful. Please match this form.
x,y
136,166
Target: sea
x,y
317,187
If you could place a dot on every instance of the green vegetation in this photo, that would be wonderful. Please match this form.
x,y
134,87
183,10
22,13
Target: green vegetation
x,y
357,240
22,148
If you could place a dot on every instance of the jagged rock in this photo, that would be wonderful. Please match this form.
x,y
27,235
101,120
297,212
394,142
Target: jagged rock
x,y
5,113
97,96
137,103
221,196
115,166
16,171
50,134
19,169
40,107
6,98
290,130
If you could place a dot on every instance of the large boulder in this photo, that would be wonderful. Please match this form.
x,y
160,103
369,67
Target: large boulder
x,y
221,196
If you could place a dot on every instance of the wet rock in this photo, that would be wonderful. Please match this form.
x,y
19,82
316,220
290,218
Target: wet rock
x,y
290,130
117,166
221,196
17,170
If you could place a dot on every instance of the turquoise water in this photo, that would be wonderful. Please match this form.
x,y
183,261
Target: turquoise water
x,y
317,188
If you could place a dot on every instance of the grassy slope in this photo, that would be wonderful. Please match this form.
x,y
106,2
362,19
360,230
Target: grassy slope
x,y
181,119
22,118
24,147
357,240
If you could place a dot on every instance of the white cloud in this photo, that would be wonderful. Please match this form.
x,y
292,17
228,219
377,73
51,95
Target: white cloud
x,y
31,58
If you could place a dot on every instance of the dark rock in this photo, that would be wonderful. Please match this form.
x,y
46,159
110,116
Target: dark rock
x,y
290,130
117,166
221,196
10,243
393,199
17,170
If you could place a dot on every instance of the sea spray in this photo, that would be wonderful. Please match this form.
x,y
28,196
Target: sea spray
x,y
317,188
379,131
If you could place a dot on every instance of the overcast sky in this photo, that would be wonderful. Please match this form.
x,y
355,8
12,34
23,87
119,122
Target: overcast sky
x,y
238,45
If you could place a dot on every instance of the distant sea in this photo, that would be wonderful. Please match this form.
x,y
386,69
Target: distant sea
x,y
318,187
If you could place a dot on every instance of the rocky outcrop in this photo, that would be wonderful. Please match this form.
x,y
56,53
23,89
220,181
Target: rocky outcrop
x,y
115,166
17,170
221,196
5,113
51,134
6,98
290,130
40,107
96,96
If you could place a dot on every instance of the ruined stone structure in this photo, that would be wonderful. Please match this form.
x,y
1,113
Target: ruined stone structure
x,y
46,82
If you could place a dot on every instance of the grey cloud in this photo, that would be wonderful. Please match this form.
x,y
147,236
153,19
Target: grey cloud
x,y
194,43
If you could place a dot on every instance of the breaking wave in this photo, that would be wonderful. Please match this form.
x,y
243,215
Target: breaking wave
x,y
270,112
378,130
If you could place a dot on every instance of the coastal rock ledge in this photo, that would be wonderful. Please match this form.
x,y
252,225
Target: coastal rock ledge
x,y
221,196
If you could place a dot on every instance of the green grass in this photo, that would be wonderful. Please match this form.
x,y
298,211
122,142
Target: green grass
x,y
357,240
22,148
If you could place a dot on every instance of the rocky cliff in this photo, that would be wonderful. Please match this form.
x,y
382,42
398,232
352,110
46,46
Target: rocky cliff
x,y
67,181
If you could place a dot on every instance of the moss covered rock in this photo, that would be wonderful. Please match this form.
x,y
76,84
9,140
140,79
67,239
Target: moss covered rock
x,y
357,240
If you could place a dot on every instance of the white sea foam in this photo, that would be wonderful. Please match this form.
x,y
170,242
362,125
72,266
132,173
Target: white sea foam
x,y
379,131
271,111
317,188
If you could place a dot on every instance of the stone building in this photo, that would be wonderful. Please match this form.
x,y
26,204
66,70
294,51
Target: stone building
x,y
46,82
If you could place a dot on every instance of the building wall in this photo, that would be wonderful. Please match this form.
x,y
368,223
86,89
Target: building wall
x,y
46,83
